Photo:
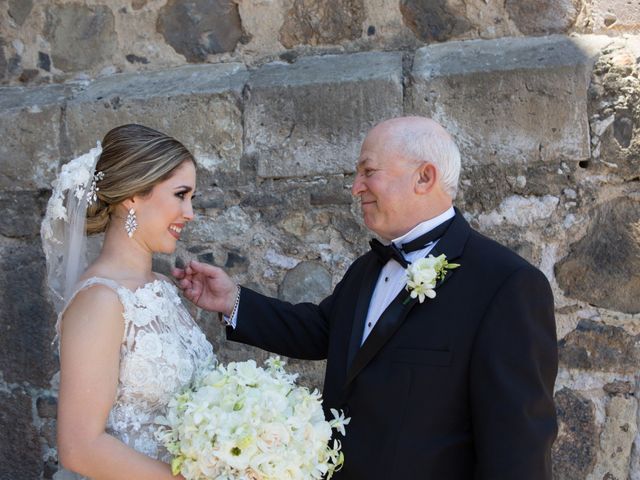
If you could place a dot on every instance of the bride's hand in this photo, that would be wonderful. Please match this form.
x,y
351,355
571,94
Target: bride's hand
x,y
207,286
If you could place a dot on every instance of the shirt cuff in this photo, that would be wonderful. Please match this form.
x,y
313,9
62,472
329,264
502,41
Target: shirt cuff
x,y
230,321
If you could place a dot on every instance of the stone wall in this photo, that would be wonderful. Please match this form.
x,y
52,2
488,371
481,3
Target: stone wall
x,y
44,41
274,98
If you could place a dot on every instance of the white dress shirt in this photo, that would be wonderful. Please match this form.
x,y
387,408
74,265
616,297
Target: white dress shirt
x,y
392,277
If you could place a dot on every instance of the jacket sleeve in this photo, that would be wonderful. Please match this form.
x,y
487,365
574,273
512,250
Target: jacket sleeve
x,y
513,369
296,331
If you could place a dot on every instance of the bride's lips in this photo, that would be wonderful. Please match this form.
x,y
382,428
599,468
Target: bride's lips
x,y
175,229
368,202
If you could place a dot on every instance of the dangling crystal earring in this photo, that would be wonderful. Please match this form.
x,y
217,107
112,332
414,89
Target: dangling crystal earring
x,y
131,223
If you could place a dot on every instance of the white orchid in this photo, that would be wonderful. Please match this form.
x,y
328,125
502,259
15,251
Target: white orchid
x,y
246,422
339,421
424,274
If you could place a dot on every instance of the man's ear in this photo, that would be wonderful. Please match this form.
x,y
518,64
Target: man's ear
x,y
427,178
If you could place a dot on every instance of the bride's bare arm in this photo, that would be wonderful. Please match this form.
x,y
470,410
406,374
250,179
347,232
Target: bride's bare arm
x,y
92,332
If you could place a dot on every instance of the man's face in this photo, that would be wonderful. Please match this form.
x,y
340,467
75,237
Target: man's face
x,y
385,184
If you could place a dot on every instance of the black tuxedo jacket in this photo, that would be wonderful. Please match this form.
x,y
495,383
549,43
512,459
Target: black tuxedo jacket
x,y
458,387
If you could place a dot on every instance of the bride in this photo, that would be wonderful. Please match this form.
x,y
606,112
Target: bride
x,y
127,344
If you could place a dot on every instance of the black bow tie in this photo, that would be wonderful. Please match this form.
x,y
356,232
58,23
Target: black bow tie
x,y
391,251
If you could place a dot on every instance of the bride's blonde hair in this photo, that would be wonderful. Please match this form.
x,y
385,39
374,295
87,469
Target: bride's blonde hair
x,y
134,159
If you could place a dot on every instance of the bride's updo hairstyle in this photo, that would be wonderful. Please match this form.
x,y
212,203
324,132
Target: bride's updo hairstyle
x,y
134,159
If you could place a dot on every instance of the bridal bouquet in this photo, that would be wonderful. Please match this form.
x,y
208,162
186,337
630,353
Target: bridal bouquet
x,y
246,422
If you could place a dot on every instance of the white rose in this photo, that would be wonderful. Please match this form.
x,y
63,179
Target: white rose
x,y
137,371
148,345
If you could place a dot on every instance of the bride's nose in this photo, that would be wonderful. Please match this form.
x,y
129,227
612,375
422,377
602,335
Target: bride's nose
x,y
187,212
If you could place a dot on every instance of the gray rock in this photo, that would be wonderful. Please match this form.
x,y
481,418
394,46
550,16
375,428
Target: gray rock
x,y
310,117
543,17
613,95
138,4
196,104
28,75
44,61
162,265
598,347
197,28
602,268
483,187
30,122
317,22
236,262
617,438
575,450
131,58
47,406
81,37
349,228
22,213
623,130
510,100
20,10
20,456
334,192
614,16
433,20
3,62
619,387
48,433
26,318
306,282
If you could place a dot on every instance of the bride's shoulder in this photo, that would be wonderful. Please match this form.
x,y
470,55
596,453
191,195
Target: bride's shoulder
x,y
96,307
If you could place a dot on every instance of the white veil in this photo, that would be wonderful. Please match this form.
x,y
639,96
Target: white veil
x,y
64,238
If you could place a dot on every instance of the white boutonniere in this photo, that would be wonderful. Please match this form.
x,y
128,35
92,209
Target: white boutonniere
x,y
424,274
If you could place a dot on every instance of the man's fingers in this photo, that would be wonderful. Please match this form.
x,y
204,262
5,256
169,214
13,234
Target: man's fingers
x,y
205,269
178,273
196,288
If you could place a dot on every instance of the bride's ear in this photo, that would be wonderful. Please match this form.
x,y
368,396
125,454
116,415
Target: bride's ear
x,y
129,203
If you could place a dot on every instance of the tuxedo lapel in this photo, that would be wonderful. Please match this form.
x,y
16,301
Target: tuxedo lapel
x,y
369,279
387,324
451,244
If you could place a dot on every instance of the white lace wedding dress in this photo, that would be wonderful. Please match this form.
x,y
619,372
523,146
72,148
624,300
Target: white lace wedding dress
x,y
162,350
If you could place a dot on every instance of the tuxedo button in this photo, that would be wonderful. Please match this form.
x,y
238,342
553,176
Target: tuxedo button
x,y
386,279
369,324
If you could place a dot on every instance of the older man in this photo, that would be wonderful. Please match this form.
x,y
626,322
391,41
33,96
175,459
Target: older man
x,y
454,387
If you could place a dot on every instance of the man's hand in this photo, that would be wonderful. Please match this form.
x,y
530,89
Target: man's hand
x,y
207,286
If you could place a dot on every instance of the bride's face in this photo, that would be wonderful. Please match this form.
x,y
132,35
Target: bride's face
x,y
162,214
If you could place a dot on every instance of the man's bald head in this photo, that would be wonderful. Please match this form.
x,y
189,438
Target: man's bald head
x,y
424,140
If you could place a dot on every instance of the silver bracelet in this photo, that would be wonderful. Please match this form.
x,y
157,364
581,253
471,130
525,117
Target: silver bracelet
x,y
236,303
221,316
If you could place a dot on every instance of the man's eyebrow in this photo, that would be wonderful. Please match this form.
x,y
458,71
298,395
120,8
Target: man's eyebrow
x,y
362,162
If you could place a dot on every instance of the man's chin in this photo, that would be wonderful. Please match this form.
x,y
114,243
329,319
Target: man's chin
x,y
371,225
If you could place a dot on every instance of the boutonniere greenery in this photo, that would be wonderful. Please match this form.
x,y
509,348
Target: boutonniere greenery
x,y
424,274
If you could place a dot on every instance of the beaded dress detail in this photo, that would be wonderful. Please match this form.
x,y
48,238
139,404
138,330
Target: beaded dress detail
x,y
162,351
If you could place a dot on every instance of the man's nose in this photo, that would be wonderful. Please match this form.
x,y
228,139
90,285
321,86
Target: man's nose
x,y
358,186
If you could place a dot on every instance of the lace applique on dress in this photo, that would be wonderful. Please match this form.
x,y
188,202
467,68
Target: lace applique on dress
x,y
161,352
